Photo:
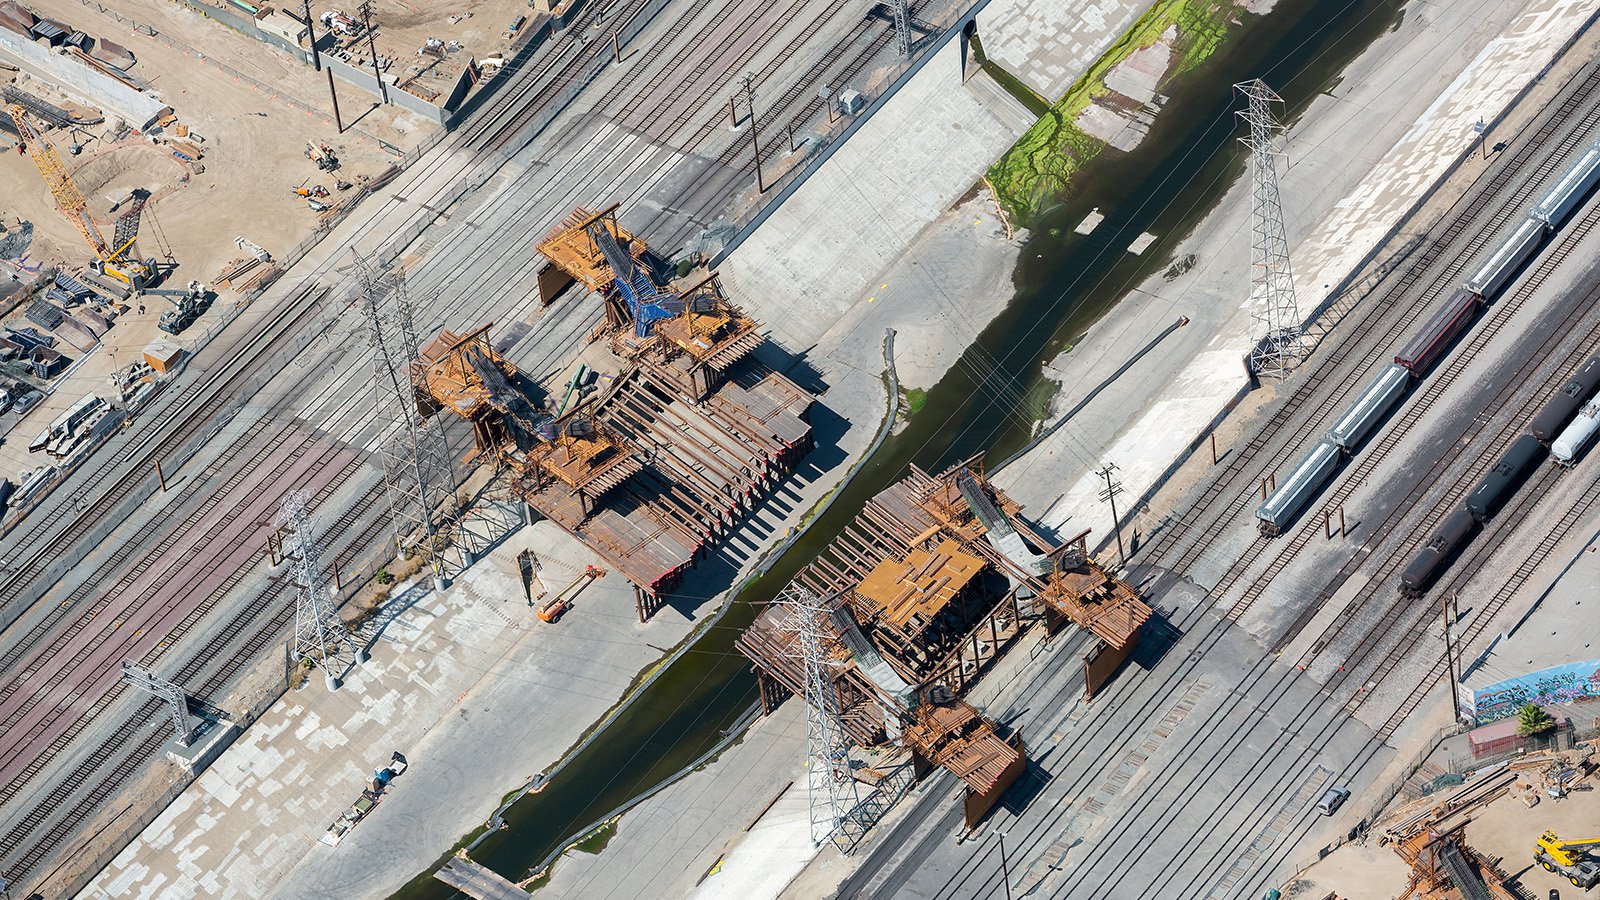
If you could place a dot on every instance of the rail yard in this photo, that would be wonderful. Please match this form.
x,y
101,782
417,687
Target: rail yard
x,y
502,450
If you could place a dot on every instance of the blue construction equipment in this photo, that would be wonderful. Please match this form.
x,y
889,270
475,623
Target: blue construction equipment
x,y
646,303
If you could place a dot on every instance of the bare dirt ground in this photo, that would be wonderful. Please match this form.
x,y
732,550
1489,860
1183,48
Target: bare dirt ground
x,y
479,26
1504,831
255,108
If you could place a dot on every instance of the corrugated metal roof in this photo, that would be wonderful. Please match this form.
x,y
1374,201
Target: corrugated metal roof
x,y
50,30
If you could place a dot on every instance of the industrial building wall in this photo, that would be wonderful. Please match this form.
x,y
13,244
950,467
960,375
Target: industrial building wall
x,y
1557,684
89,87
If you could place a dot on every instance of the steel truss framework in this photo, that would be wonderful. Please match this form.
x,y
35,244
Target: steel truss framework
x,y
415,455
1280,346
831,789
319,633
175,698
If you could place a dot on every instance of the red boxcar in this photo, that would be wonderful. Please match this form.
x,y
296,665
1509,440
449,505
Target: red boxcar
x,y
1420,353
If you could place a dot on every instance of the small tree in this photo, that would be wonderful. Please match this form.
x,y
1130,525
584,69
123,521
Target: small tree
x,y
1532,719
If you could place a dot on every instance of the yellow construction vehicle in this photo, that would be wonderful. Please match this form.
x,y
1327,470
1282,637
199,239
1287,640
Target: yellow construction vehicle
x,y
1568,858
121,263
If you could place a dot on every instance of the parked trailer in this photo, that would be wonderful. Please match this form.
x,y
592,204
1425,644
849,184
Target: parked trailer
x,y
1559,411
1507,258
1491,493
1575,184
1373,404
1432,558
1279,510
1424,348
1575,437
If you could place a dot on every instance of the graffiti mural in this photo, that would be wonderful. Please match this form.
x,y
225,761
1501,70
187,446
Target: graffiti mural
x,y
1557,684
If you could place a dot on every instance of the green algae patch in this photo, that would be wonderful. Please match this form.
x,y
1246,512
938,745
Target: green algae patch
x,y
1041,165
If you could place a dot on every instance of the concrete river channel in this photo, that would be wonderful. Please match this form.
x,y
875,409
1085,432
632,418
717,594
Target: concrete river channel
x,y
1063,283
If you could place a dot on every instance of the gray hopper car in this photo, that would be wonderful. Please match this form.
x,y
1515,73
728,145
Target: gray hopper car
x,y
1507,474
1555,415
1575,437
1575,184
1507,259
1431,559
1273,516
1373,404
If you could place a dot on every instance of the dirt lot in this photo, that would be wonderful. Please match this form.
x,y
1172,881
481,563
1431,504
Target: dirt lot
x,y
255,108
1504,831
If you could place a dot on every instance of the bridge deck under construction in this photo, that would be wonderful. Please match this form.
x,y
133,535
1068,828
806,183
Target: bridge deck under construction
x,y
674,475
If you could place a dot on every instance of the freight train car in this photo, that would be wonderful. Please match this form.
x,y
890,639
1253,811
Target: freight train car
x,y
1507,259
1370,408
1424,348
1575,184
1502,480
1558,412
1279,510
1575,437
1451,534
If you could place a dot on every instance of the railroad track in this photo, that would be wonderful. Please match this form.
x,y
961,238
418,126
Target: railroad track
x,y
262,621
1438,269
1206,633
1497,601
1434,388
194,419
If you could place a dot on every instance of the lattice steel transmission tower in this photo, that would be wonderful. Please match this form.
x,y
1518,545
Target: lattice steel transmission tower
x,y
176,699
902,26
1280,347
417,470
318,631
831,790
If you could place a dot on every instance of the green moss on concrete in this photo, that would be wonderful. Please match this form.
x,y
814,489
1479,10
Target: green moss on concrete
x,y
1041,165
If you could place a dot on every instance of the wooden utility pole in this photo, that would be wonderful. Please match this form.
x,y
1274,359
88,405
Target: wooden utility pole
x,y
1447,602
1005,864
1112,489
372,44
755,134
338,123
311,33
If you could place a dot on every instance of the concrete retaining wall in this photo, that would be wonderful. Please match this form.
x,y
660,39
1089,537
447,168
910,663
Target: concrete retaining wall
x,y
84,84
1557,684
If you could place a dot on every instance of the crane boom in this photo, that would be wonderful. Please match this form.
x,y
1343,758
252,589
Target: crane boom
x,y
67,196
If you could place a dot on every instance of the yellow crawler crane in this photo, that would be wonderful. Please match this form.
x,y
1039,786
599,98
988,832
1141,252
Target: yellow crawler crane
x,y
1568,858
121,263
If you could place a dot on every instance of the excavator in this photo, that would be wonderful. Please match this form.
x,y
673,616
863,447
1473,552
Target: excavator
x,y
121,263
1569,858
